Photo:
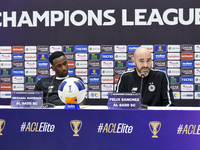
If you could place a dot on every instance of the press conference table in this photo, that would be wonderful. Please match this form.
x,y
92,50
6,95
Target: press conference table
x,y
97,128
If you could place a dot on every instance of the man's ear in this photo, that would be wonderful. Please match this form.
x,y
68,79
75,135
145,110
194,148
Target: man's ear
x,y
133,60
52,68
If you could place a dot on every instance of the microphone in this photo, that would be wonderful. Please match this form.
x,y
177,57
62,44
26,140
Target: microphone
x,y
47,104
143,106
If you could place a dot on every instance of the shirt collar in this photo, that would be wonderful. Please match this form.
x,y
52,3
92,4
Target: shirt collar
x,y
62,78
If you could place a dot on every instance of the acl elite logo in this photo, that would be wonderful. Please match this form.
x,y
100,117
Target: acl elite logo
x,y
2,125
76,126
154,127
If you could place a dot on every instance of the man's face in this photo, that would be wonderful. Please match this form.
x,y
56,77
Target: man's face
x,y
143,63
60,66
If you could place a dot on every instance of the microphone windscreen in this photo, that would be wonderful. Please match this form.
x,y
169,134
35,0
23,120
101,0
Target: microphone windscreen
x,y
142,75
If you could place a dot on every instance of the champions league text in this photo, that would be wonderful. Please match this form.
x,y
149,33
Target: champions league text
x,y
138,17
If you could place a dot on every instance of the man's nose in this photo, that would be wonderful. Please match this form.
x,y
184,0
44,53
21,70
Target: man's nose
x,y
63,67
145,64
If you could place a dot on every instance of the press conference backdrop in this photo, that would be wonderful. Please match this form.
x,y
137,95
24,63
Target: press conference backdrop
x,y
99,38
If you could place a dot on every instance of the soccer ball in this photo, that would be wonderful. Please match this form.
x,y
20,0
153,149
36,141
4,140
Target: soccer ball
x,y
71,91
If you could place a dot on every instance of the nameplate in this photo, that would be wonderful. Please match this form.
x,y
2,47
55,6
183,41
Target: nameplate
x,y
124,101
72,106
32,99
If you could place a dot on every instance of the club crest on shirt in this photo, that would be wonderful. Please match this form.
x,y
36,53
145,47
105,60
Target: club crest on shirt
x,y
151,87
134,89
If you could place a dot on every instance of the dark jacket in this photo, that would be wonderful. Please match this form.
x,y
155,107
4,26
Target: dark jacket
x,y
156,90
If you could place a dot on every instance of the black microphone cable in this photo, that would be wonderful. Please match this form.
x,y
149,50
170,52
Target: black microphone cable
x,y
47,104
142,77
143,106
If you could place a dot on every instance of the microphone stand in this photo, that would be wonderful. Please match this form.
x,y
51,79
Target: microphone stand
x,y
47,104
142,106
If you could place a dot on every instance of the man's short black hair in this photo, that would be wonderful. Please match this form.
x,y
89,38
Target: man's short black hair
x,y
55,55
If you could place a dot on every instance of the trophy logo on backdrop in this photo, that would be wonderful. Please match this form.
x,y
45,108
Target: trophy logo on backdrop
x,y
154,127
2,125
76,126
